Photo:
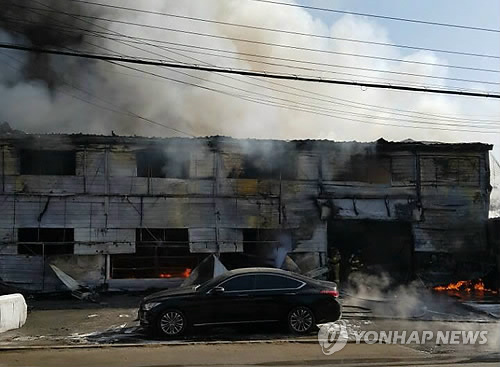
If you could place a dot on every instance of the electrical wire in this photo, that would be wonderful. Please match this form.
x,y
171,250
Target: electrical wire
x,y
372,107
212,21
265,96
116,21
418,21
282,76
116,109
139,40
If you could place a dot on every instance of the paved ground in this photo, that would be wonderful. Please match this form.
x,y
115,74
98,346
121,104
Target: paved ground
x,y
246,354
106,334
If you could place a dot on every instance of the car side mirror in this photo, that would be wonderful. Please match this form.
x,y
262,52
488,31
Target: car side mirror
x,y
217,290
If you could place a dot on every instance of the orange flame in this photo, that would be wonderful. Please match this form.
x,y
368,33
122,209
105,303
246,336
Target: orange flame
x,y
465,286
184,274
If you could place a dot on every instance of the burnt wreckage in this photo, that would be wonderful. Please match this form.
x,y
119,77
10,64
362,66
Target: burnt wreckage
x,y
134,212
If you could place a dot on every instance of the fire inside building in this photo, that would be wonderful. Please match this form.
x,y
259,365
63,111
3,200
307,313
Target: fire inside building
x,y
133,212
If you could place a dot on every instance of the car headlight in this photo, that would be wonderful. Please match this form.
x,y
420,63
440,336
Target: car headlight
x,y
150,305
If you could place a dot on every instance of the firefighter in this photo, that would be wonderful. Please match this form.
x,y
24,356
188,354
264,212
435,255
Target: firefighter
x,y
355,263
354,266
334,265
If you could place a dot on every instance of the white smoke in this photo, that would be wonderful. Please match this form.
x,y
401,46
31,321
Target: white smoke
x,y
30,106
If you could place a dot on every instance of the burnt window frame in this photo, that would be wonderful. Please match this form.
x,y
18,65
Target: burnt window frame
x,y
251,168
46,162
359,174
33,241
154,163
155,248
443,165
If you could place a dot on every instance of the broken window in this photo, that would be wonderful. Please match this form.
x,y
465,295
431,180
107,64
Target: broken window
x,y
364,168
45,241
47,162
273,166
157,163
160,253
451,170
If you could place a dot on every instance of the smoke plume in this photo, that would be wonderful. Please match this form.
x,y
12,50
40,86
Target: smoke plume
x,y
46,24
41,93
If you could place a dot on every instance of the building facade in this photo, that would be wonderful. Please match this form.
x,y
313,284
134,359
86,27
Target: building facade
x,y
137,212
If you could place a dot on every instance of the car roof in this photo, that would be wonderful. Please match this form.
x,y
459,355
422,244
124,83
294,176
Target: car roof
x,y
258,270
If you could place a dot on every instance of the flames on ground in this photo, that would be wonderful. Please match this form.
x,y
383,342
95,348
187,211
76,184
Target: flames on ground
x,y
468,286
184,274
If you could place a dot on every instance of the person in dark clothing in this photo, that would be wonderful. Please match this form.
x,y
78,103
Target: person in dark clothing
x,y
334,265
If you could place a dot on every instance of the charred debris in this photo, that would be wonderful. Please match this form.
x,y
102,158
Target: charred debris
x,y
116,212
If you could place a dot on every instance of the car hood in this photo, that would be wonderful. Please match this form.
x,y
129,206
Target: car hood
x,y
180,291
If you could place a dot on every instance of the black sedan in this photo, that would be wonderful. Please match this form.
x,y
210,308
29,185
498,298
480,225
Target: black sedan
x,y
249,295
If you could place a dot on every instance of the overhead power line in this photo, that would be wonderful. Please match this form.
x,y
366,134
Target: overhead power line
x,y
330,99
310,108
201,34
153,62
478,124
154,43
285,31
417,21
113,108
356,104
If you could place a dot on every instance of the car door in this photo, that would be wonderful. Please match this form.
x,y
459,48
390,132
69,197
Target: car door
x,y
274,296
234,304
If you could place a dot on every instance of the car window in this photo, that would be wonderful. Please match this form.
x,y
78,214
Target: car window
x,y
239,283
269,281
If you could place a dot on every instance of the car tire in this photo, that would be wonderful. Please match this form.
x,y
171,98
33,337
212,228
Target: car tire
x,y
171,323
301,320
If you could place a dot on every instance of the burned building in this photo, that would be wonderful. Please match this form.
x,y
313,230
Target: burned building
x,y
139,212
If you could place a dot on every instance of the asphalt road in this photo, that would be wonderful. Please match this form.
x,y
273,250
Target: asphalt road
x,y
237,354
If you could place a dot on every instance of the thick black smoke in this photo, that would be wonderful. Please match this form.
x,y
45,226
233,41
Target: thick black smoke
x,y
56,24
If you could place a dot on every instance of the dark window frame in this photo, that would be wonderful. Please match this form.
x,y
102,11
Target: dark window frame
x,y
43,241
363,168
47,162
155,163
159,254
451,169
276,166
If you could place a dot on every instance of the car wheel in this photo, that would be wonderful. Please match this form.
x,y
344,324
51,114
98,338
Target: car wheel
x,y
171,323
301,320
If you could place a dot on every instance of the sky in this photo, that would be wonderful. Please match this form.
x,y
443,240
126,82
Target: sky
x,y
58,94
484,13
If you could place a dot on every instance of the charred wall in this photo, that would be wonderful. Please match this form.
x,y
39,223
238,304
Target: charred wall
x,y
218,189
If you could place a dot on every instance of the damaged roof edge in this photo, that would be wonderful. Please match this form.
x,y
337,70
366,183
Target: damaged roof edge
x,y
14,136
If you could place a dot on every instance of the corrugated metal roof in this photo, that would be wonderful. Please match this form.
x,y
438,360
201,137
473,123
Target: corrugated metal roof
x,y
380,144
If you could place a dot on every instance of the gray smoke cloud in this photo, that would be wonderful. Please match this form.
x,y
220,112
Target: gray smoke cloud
x,y
62,94
48,24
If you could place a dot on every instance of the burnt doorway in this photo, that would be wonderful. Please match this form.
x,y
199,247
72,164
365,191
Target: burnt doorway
x,y
262,247
382,246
